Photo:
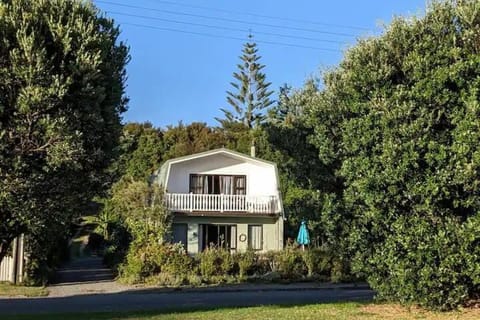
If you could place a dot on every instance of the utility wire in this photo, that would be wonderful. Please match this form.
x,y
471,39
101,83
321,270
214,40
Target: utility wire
x,y
228,20
263,16
225,28
228,37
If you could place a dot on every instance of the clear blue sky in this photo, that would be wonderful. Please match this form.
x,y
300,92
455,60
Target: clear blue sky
x,y
177,76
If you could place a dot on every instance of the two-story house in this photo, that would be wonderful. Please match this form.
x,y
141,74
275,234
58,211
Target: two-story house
x,y
223,198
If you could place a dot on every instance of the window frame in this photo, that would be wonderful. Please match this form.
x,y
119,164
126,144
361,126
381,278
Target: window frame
x,y
231,247
235,177
249,244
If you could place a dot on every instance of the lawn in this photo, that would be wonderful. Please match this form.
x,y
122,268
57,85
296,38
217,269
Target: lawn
x,y
355,311
8,290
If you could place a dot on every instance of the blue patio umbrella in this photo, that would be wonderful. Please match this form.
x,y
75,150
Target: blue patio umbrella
x,y
303,238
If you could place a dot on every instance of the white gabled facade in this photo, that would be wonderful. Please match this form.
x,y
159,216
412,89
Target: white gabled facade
x,y
225,198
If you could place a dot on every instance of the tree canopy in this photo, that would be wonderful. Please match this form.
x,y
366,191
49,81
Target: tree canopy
x,y
398,122
383,160
251,95
62,79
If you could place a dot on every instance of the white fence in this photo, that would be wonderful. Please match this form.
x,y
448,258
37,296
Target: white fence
x,y
11,266
221,203
7,269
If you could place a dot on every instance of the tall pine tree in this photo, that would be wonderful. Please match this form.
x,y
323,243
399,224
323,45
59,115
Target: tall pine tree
x,y
251,95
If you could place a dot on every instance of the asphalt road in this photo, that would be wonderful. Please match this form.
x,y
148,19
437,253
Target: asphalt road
x,y
151,300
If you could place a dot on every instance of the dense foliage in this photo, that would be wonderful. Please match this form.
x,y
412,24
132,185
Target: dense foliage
x,y
140,152
169,265
382,160
398,124
140,206
62,75
306,182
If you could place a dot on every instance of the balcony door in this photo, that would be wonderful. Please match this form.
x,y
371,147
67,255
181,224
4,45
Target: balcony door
x,y
218,184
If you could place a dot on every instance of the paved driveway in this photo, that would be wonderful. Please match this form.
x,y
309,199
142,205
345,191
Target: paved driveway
x,y
153,300
85,275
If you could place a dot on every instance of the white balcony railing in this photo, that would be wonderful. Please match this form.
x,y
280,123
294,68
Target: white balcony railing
x,y
221,203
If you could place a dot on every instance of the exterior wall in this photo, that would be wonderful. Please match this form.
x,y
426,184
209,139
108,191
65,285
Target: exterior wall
x,y
272,230
261,178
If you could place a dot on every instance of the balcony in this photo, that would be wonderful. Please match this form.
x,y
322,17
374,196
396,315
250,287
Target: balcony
x,y
190,202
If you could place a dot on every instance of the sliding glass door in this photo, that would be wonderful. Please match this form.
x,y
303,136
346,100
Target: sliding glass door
x,y
217,235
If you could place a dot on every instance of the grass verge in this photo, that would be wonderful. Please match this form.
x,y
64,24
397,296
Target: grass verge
x,y
9,290
333,311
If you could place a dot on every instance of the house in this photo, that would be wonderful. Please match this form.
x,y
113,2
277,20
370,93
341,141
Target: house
x,y
223,198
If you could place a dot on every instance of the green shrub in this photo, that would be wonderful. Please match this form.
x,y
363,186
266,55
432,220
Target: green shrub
x,y
222,279
165,279
152,259
177,261
404,152
262,265
325,263
46,252
136,267
113,256
246,262
432,263
340,270
95,242
207,261
117,247
37,272
269,259
194,279
317,261
289,263
168,264
215,262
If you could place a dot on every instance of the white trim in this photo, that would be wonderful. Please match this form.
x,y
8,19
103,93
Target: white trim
x,y
234,154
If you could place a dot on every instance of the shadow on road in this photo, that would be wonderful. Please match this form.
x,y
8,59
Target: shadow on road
x,y
83,270
177,301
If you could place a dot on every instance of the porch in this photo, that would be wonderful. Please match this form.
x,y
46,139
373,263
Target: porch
x,y
192,202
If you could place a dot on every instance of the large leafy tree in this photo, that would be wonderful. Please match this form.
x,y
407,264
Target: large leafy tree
x,y
399,120
251,94
141,208
196,137
62,75
140,152
307,183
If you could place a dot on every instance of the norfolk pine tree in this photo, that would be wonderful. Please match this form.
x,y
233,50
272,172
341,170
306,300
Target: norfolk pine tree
x,y
251,95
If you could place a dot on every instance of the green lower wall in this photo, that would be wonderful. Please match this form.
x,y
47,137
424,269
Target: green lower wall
x,y
272,230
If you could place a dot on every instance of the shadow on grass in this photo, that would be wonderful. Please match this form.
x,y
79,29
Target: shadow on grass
x,y
185,311
144,304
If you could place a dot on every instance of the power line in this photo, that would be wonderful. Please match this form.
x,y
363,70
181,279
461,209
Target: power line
x,y
228,37
224,28
228,20
264,16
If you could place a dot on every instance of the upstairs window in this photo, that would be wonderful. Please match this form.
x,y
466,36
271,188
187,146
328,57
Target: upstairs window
x,y
218,184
